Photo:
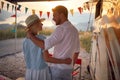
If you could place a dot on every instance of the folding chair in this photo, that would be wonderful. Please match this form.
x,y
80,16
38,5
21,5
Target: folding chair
x,y
77,70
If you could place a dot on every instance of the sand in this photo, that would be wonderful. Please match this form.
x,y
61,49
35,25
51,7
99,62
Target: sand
x,y
12,67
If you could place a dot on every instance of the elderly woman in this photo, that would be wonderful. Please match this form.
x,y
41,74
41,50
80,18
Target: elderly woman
x,y
35,57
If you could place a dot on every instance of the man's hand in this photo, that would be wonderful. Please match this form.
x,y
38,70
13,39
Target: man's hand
x,y
68,60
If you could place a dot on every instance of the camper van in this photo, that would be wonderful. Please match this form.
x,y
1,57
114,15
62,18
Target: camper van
x,y
105,50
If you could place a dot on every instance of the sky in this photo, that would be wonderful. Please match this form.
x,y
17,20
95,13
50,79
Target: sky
x,y
46,6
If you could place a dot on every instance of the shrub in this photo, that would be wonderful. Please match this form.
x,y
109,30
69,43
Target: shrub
x,y
85,37
85,40
10,34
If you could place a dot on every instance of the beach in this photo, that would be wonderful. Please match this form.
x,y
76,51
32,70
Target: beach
x,y
13,66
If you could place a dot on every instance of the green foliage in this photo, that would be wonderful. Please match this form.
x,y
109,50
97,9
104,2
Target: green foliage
x,y
47,31
10,34
85,37
6,34
85,40
21,33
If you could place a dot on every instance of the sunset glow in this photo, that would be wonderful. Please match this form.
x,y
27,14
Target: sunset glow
x,y
48,5
45,6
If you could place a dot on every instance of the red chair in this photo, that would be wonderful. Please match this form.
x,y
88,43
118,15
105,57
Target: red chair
x,y
1,78
77,69
50,55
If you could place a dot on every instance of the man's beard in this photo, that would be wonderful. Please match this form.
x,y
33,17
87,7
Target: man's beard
x,y
58,22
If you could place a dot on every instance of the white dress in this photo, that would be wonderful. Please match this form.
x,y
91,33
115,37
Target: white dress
x,y
36,67
43,74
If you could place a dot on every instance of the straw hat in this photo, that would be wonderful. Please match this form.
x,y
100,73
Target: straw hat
x,y
32,18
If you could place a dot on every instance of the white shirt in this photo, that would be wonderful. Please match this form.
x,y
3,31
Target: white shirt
x,y
65,40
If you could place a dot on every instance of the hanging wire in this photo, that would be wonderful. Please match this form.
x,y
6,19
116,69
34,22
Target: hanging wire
x,y
90,17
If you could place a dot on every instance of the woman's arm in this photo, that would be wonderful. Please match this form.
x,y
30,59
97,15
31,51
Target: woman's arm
x,y
50,59
35,40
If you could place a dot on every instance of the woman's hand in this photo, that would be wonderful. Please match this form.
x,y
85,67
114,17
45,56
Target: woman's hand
x,y
29,34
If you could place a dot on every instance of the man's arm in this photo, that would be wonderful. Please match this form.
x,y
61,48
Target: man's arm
x,y
50,59
36,40
75,57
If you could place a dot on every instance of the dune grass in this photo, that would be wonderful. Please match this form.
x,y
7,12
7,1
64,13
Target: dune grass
x,y
10,34
6,34
85,40
85,37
